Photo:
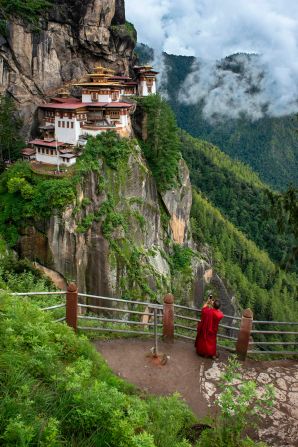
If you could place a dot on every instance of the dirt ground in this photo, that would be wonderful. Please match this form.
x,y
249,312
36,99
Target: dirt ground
x,y
196,379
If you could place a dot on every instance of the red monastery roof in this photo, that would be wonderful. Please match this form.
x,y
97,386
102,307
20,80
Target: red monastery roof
x,y
69,100
110,104
69,106
86,104
46,143
28,151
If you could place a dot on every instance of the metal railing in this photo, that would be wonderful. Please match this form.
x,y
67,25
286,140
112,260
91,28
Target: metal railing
x,y
130,308
96,313
257,340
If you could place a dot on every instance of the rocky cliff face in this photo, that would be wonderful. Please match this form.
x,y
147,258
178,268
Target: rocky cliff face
x,y
104,265
71,38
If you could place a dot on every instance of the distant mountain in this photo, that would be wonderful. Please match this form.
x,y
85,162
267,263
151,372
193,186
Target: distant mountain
x,y
268,145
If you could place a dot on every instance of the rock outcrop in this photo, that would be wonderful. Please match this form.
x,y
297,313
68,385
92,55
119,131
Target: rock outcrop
x,y
89,258
71,39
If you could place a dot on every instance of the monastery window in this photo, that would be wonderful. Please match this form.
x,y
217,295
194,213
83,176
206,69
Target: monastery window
x,y
59,123
67,124
72,125
63,124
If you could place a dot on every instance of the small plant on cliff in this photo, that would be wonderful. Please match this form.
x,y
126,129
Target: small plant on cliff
x,y
241,404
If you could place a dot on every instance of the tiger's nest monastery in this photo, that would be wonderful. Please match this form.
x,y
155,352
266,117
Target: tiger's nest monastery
x,y
104,105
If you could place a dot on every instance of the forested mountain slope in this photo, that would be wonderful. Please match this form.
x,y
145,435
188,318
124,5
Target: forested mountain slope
x,y
238,193
268,145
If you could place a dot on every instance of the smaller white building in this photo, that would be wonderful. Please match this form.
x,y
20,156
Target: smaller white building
x,y
53,153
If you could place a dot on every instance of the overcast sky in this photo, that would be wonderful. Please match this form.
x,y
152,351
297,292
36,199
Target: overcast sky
x,y
215,28
212,29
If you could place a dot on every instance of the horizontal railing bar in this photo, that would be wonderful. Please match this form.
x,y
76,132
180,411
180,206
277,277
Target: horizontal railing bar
x,y
274,332
38,293
233,317
120,300
229,327
185,327
276,322
195,309
274,352
227,337
186,318
273,343
125,331
60,319
114,320
58,306
127,311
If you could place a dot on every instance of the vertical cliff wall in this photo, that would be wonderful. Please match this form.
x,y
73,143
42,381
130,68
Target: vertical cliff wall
x,y
70,39
118,236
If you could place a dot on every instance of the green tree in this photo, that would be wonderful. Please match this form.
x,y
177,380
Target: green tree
x,y
284,208
10,139
161,145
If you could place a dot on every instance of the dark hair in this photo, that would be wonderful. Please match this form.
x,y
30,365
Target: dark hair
x,y
216,304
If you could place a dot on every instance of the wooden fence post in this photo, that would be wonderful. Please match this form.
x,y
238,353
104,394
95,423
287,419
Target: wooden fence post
x,y
244,334
168,318
72,306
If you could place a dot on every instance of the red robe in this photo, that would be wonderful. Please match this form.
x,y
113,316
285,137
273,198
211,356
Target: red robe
x,y
207,330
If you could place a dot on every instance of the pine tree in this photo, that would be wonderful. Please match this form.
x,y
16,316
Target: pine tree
x,y
10,140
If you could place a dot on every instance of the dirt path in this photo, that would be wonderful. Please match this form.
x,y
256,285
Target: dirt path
x,y
196,379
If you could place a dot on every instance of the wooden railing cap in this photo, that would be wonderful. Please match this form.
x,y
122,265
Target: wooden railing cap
x,y
168,299
72,287
247,313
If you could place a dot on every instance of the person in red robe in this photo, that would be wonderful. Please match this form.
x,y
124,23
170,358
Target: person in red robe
x,y
207,329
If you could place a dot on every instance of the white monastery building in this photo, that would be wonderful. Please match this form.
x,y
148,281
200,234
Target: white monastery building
x,y
104,105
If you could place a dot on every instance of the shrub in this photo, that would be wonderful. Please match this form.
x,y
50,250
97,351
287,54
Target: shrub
x,y
56,390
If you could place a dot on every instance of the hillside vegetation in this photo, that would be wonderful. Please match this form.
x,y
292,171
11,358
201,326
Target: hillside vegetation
x,y
239,194
255,280
57,391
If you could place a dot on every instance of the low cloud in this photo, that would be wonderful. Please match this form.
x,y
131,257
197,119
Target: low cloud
x,y
211,30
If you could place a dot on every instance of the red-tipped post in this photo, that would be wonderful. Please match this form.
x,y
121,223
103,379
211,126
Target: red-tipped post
x,y
244,334
168,318
72,306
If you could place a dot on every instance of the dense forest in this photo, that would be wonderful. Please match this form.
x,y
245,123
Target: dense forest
x,y
268,145
256,281
239,194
